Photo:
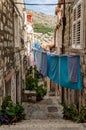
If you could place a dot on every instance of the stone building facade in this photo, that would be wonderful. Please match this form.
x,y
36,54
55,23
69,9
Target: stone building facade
x,y
11,49
72,27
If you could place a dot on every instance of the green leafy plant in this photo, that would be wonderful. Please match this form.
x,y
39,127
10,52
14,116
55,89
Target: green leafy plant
x,y
36,73
41,91
19,111
70,112
29,71
82,114
9,112
7,102
31,83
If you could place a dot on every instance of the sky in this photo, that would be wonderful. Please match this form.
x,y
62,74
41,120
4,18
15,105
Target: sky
x,y
49,10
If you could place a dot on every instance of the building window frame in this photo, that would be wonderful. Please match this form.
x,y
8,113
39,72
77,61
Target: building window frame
x,y
77,25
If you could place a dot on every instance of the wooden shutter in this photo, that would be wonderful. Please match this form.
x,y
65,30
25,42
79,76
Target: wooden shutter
x,y
77,24
78,34
74,34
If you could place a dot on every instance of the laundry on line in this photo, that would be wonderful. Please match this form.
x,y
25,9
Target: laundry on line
x,y
64,70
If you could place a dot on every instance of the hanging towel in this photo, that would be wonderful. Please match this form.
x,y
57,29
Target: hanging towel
x,y
37,45
73,68
38,60
64,79
53,68
43,67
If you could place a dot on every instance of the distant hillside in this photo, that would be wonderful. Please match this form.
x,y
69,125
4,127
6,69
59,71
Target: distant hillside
x,y
43,23
44,26
46,20
43,19
40,28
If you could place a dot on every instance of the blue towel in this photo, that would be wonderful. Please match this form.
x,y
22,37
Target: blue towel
x,y
64,79
53,68
39,58
43,67
37,45
61,69
73,68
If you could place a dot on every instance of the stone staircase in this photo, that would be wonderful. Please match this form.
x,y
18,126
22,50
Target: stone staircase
x,y
44,125
44,115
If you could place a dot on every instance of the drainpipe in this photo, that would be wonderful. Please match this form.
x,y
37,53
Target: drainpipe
x,y
63,31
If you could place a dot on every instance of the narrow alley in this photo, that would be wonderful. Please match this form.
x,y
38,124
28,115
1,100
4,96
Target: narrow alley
x,y
42,65
44,115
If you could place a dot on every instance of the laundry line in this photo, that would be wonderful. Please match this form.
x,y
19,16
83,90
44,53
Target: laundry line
x,y
64,70
46,4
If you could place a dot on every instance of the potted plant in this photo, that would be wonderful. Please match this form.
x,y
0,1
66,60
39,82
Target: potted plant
x,y
40,92
31,83
10,112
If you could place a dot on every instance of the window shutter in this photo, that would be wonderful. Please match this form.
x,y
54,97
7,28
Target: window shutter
x,y
74,34
74,14
78,33
79,11
77,25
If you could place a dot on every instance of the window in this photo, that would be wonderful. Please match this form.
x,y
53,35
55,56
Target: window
x,y
77,28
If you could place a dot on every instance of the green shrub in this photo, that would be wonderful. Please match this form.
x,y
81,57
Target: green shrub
x,y
31,83
7,102
41,91
42,29
72,113
11,111
82,114
19,111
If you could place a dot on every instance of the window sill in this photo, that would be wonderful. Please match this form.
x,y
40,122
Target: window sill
x,y
75,50
78,47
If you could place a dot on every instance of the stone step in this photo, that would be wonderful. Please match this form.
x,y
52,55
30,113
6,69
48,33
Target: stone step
x,y
44,125
53,128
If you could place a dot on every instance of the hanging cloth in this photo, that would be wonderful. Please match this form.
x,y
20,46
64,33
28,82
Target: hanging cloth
x,y
44,64
38,60
73,68
64,76
53,68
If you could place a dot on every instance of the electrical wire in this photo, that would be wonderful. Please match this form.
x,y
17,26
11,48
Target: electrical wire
x,y
52,4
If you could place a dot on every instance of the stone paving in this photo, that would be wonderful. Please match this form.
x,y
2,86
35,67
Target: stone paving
x,y
44,125
49,108
44,115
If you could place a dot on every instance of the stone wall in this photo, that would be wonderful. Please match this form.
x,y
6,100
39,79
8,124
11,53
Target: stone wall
x,y
8,50
68,95
72,96
6,42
